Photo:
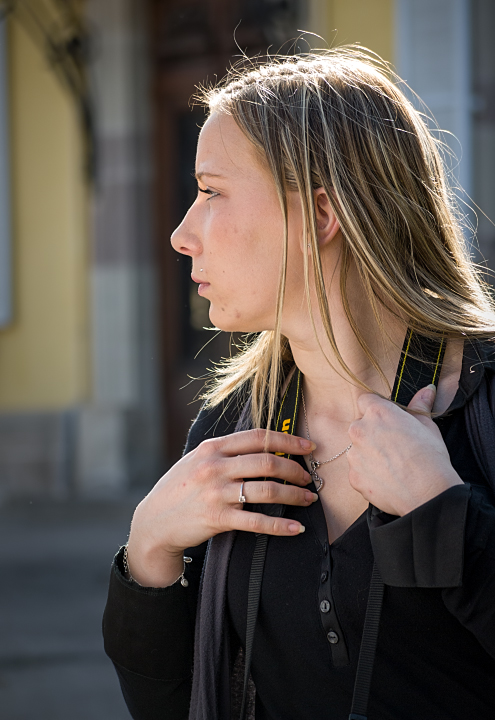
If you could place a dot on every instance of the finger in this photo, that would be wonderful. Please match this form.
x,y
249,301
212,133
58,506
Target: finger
x,y
369,400
259,440
269,492
259,523
266,465
423,400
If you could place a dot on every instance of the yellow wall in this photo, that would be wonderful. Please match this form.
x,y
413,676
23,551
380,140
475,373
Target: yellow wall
x,y
43,354
367,22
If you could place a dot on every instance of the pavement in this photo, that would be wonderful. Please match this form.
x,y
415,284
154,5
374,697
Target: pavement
x,y
54,567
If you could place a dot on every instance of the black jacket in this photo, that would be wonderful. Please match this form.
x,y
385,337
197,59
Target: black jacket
x,y
438,619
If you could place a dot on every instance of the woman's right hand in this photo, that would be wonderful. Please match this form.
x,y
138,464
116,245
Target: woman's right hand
x,y
199,498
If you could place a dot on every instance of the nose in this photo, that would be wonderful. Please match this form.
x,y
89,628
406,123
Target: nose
x,y
185,240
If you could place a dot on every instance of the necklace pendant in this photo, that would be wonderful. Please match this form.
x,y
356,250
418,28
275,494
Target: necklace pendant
x,y
318,481
315,464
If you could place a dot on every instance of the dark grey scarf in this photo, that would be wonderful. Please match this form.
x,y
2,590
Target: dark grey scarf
x,y
212,695
214,689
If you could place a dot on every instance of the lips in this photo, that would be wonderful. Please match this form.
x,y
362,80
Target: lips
x,y
202,285
200,281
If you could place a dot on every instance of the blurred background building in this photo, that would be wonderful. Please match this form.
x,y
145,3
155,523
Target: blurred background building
x,y
100,324
101,328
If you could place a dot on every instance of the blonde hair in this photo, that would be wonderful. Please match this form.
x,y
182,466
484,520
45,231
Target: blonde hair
x,y
338,120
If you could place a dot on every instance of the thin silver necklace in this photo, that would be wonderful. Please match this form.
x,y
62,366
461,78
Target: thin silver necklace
x,y
315,464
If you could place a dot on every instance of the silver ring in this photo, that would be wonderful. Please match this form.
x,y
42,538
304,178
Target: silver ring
x,y
242,498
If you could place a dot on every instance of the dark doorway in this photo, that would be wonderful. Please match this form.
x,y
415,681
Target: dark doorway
x,y
194,42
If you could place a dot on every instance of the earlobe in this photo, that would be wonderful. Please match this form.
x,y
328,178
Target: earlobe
x,y
327,223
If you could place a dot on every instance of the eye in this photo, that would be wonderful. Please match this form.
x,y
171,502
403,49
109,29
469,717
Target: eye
x,y
208,191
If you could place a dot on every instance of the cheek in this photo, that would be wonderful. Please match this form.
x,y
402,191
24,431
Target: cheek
x,y
246,251
249,251
246,295
250,289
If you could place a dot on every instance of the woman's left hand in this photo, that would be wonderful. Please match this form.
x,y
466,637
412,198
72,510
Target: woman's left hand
x,y
398,460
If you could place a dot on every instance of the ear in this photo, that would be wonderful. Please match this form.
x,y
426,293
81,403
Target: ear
x,y
326,220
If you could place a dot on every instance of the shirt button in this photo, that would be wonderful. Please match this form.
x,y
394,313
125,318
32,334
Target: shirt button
x,y
324,577
325,547
325,606
332,637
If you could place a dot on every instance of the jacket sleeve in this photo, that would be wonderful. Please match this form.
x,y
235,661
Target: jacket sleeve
x,y
447,543
149,635
149,632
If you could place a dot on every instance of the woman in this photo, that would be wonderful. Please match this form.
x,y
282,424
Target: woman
x,y
323,223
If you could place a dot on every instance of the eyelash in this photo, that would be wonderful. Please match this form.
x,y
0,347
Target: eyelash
x,y
212,193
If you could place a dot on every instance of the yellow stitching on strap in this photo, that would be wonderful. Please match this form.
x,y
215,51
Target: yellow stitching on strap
x,y
281,406
280,411
403,365
295,410
438,361
296,403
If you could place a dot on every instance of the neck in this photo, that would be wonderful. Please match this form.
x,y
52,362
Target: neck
x,y
329,390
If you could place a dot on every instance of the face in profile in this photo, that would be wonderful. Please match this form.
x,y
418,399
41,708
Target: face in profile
x,y
234,231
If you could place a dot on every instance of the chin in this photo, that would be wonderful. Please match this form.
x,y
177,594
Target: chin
x,y
234,323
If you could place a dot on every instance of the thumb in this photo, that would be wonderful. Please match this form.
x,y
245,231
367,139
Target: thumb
x,y
423,400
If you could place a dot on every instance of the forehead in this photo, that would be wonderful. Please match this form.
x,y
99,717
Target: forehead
x,y
223,149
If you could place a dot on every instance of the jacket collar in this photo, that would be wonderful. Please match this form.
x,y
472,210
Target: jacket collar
x,y
478,359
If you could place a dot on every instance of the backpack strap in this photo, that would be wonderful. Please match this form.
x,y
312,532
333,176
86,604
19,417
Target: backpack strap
x,y
254,593
367,651
286,423
419,365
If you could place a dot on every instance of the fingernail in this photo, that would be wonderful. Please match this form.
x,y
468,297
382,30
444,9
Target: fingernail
x,y
310,496
296,528
426,394
307,444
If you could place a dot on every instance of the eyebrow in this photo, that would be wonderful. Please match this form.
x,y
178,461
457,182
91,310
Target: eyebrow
x,y
199,175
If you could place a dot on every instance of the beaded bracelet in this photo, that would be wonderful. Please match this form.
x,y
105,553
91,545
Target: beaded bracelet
x,y
183,580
